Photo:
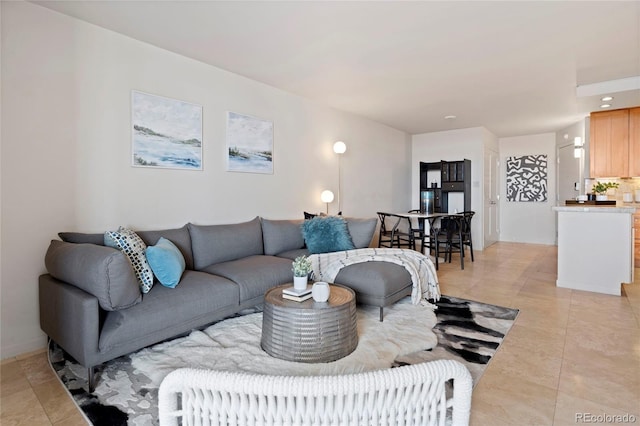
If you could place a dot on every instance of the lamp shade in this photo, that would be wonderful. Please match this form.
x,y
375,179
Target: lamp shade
x,y
339,147
326,196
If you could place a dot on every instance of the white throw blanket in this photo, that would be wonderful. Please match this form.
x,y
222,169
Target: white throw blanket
x,y
423,274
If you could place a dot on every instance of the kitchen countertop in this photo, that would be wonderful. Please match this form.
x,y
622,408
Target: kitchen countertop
x,y
598,209
620,207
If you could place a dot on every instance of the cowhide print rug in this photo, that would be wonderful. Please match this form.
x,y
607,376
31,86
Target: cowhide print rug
x,y
127,388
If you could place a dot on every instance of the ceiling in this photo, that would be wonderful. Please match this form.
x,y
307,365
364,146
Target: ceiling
x,y
511,67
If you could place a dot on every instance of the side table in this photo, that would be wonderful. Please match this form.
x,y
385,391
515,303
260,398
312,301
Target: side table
x,y
310,331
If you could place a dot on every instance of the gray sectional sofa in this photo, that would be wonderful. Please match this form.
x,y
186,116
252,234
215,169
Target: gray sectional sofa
x,y
91,305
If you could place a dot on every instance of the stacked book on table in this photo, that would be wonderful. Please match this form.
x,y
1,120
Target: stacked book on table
x,y
290,293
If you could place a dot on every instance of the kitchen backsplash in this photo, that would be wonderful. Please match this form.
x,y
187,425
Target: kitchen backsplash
x,y
629,185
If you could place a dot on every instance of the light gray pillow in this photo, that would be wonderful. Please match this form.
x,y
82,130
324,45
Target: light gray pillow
x,y
102,271
281,235
82,238
361,230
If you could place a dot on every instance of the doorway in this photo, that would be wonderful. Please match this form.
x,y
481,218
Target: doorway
x,y
569,180
491,198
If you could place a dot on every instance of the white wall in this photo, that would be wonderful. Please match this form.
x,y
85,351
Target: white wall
x,y
0,173
454,145
566,137
65,153
490,141
528,222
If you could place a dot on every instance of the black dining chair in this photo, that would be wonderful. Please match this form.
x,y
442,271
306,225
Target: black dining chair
x,y
448,237
394,236
420,230
386,236
466,231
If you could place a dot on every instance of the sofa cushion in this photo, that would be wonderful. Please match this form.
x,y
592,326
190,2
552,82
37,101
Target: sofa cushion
x,y
326,234
292,254
103,272
361,230
222,243
180,237
198,297
132,245
166,262
82,238
281,235
254,274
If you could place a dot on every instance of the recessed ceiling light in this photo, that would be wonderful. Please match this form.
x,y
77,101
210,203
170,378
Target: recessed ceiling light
x,y
605,106
607,99
449,117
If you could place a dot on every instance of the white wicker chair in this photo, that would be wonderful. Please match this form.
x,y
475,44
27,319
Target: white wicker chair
x,y
408,395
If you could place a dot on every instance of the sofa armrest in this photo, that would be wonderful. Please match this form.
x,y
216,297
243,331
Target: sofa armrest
x,y
71,317
103,272
361,230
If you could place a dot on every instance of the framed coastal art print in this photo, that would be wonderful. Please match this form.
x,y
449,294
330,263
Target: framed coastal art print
x,y
249,144
527,178
165,133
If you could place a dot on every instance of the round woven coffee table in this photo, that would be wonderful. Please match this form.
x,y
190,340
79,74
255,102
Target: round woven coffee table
x,y
309,331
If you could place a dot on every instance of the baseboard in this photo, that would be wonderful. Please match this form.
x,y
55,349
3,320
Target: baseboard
x,y
23,348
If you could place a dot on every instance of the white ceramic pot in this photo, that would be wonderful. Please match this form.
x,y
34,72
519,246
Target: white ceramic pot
x,y
300,283
601,197
320,291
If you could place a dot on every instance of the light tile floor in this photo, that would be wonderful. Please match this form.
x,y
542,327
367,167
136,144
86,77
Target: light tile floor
x,y
569,354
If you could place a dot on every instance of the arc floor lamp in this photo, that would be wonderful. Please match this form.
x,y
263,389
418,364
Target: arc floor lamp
x,y
339,148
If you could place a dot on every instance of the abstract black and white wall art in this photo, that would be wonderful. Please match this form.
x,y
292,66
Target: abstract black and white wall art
x,y
527,178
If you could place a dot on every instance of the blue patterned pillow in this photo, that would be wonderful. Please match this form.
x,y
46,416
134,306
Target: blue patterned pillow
x,y
132,245
326,234
166,261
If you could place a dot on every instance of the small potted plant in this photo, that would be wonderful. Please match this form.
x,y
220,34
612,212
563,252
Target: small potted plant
x,y
600,189
301,268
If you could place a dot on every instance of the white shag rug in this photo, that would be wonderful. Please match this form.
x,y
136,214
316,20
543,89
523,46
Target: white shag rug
x,y
234,345
127,395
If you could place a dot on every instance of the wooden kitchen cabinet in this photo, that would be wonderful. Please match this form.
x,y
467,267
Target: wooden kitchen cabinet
x,y
634,142
615,143
609,143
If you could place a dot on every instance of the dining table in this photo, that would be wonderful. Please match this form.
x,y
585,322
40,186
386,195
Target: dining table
x,y
422,217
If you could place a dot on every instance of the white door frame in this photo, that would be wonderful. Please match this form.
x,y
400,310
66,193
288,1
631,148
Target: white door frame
x,y
491,197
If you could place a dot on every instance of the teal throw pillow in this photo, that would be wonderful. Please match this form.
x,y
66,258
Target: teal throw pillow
x,y
166,261
326,234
